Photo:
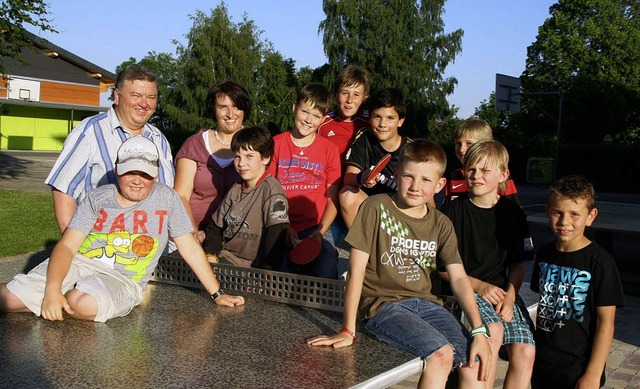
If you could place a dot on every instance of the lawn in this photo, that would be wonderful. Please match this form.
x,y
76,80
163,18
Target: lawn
x,y
27,222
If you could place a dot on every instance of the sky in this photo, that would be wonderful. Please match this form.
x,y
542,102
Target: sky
x,y
496,33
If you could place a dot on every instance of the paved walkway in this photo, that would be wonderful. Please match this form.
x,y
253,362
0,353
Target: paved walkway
x,y
25,171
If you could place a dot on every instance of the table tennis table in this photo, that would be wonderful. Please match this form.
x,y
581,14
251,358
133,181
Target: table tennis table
x,y
178,338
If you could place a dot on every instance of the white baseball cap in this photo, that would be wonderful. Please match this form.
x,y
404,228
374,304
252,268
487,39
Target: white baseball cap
x,y
138,153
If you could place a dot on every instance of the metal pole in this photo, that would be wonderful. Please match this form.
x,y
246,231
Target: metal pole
x,y
555,159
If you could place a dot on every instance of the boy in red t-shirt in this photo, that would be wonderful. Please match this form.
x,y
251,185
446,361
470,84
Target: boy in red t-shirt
x,y
308,168
341,126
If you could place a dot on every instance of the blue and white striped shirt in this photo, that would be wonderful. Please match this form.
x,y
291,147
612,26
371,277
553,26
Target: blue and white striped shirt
x,y
89,154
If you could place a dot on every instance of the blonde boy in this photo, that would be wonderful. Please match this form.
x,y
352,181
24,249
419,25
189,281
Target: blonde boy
x,y
397,241
467,133
308,168
492,236
579,290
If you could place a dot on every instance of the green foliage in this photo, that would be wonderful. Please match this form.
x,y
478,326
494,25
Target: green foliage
x,y
403,44
15,15
217,50
502,123
27,222
275,91
590,50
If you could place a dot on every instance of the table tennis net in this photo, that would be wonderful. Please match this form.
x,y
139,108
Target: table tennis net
x,y
313,292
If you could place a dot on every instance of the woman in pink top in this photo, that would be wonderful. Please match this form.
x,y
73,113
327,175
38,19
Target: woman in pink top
x,y
204,163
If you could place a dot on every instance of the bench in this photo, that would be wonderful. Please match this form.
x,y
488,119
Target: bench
x,y
612,218
177,338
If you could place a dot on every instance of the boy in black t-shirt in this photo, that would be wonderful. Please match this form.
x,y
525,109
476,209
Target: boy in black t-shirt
x,y
579,290
387,111
492,235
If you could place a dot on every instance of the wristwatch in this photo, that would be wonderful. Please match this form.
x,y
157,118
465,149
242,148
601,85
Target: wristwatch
x,y
481,330
217,294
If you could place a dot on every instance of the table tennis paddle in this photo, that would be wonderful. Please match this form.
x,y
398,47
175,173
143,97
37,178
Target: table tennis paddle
x,y
374,171
305,251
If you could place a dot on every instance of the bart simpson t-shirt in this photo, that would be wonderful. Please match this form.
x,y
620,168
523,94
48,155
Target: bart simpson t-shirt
x,y
130,240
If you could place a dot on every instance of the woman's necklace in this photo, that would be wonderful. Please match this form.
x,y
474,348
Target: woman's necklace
x,y
225,144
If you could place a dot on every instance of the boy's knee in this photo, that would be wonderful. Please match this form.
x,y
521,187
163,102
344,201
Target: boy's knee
x,y
350,199
497,335
442,358
84,305
522,354
9,302
347,195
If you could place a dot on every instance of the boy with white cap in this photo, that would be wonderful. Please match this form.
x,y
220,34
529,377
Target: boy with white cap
x,y
101,265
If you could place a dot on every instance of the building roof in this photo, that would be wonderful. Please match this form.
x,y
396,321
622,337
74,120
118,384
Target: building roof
x,y
106,77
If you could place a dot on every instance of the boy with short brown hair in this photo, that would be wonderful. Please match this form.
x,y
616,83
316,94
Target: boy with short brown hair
x,y
248,228
387,109
579,290
397,242
308,168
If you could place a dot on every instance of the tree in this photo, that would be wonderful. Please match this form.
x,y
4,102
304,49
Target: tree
x,y
403,44
275,91
217,50
15,15
589,50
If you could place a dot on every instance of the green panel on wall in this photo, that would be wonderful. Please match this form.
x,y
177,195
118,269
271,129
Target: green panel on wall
x,y
49,144
35,128
16,125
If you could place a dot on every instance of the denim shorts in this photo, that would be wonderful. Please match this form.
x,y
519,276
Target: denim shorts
x,y
420,327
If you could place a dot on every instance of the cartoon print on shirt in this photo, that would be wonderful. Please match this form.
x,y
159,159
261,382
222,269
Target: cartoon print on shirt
x,y
406,254
134,252
111,249
563,294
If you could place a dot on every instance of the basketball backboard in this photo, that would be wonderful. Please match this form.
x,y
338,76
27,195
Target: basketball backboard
x,y
507,93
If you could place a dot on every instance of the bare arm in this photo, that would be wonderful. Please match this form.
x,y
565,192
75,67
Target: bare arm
x,y
192,252
601,346
357,265
59,263
350,176
64,207
464,294
330,211
183,185
490,293
514,282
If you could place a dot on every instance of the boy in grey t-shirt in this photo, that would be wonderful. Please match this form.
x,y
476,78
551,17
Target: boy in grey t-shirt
x,y
101,265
